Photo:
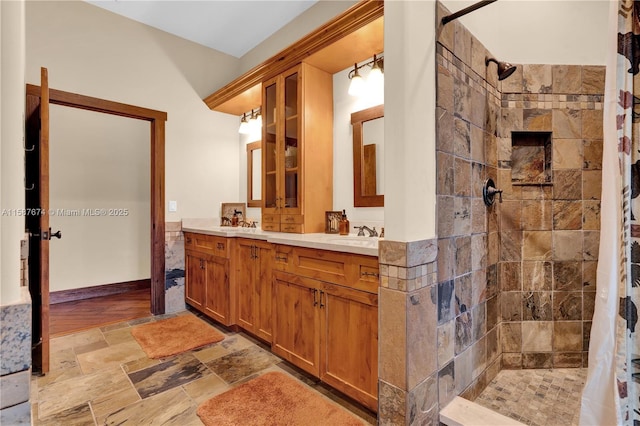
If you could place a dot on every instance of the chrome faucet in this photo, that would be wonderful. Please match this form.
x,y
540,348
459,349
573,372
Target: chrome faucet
x,y
361,229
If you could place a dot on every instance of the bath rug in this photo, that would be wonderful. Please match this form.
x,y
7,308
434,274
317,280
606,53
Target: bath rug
x,y
172,336
273,399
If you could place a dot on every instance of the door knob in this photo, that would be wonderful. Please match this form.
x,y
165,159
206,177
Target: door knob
x,y
57,234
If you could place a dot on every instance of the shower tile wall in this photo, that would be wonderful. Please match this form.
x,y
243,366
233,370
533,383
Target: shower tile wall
x,y
468,108
516,281
549,234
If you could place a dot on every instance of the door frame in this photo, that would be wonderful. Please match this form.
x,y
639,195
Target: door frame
x,y
157,122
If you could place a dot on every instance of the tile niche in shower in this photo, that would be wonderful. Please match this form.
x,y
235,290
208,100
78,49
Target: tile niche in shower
x,y
530,158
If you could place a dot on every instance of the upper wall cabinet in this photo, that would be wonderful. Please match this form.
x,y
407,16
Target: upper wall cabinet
x,y
297,154
353,36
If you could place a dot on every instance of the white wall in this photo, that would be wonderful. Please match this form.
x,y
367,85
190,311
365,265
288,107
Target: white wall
x,y
409,122
97,53
93,52
99,162
11,149
343,106
571,32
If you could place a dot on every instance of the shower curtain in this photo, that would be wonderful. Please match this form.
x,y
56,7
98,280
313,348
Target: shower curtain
x,y
610,396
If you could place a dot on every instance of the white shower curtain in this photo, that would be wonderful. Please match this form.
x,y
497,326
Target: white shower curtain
x,y
610,396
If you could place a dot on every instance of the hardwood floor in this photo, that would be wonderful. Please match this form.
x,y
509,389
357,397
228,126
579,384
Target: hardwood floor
x,y
70,317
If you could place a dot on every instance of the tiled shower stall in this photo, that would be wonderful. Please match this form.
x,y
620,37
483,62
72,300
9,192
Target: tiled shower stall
x,y
516,280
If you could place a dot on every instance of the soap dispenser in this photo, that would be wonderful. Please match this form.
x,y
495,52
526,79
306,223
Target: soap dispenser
x,y
234,219
344,224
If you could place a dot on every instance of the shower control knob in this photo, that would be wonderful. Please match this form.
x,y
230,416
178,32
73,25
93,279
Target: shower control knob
x,y
489,192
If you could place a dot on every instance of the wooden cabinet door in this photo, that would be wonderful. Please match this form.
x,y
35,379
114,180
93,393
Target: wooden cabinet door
x,y
195,280
245,283
296,316
349,342
217,289
263,292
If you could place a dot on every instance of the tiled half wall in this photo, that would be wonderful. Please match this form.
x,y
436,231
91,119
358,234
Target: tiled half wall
x,y
174,267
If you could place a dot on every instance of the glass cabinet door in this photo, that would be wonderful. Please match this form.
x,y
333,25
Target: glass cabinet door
x,y
269,114
282,152
291,154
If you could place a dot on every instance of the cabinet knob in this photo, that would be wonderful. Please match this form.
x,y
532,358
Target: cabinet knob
x,y
220,246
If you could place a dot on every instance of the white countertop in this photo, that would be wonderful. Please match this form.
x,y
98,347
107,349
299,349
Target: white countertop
x,y
348,243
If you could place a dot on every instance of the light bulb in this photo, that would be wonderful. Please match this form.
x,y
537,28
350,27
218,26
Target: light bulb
x,y
259,120
357,86
245,128
375,79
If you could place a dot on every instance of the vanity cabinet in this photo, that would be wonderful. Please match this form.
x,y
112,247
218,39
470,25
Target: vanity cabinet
x,y
253,262
297,155
207,276
194,284
329,328
296,331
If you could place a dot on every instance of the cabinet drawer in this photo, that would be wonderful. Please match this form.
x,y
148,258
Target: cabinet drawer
x,y
211,244
291,227
351,270
291,219
271,227
270,218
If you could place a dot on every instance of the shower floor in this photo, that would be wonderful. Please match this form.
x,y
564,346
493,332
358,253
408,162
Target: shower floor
x,y
537,397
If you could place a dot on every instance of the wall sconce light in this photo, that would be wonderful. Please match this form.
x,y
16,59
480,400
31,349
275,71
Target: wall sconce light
x,y
375,79
252,125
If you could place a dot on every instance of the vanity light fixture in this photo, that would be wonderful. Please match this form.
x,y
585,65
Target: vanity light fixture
x,y
250,125
375,79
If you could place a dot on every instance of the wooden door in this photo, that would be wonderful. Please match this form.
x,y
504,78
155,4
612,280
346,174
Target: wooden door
x,y
216,301
350,320
37,223
295,327
194,282
245,265
263,291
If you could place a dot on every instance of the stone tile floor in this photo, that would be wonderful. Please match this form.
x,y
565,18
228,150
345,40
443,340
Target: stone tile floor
x,y
102,376
541,397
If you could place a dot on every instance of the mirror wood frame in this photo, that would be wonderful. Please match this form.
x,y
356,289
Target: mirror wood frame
x,y
358,118
250,201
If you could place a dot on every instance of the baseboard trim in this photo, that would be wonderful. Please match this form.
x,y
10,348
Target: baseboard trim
x,y
98,291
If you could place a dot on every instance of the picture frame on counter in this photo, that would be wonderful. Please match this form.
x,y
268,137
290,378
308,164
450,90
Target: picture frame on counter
x,y
332,222
226,212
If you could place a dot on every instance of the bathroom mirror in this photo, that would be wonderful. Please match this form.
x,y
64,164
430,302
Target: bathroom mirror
x,y
254,174
368,157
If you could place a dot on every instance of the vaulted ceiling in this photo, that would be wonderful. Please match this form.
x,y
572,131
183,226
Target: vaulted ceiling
x,y
232,27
